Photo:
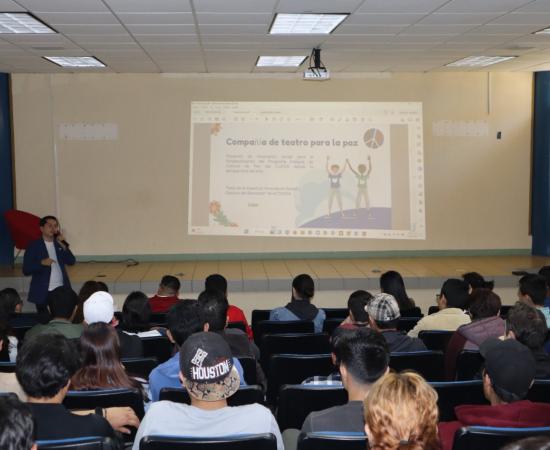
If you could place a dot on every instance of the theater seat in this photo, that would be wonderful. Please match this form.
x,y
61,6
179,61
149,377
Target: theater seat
x,y
468,365
454,393
293,343
266,441
140,367
86,443
293,369
158,347
436,339
427,363
280,327
296,401
493,438
332,441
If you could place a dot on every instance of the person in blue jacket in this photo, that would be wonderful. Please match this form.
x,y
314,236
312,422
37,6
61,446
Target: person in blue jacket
x,y
300,306
45,260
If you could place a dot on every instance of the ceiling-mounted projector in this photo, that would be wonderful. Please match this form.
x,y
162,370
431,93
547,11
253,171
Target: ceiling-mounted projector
x,y
316,71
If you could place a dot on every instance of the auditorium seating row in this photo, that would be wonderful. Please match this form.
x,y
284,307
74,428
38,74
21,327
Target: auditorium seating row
x,y
467,438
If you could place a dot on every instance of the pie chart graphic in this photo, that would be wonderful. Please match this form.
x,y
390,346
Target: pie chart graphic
x,y
373,138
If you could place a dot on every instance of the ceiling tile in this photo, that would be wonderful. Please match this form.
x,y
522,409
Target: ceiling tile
x,y
228,18
156,18
65,18
147,6
9,6
383,19
536,6
474,6
235,6
162,29
457,19
91,29
317,6
400,6
233,29
524,18
389,30
64,5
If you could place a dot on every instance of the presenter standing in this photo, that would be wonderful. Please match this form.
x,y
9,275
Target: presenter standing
x,y
45,261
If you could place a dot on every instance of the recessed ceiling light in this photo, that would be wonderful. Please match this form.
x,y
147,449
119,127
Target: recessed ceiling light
x,y
544,31
479,61
22,23
75,61
306,23
280,61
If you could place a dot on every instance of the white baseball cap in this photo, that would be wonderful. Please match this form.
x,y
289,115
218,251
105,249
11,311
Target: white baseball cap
x,y
99,308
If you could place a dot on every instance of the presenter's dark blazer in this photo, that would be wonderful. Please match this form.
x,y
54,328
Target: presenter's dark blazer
x,y
40,281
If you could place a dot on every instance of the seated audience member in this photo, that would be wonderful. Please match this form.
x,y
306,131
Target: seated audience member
x,y
357,313
392,283
88,288
545,272
17,425
10,302
8,381
208,374
384,316
530,443
62,303
486,322
183,320
401,413
167,294
11,307
527,325
362,358
100,308
219,283
44,368
101,367
532,290
213,308
476,281
8,342
451,302
508,375
136,315
300,306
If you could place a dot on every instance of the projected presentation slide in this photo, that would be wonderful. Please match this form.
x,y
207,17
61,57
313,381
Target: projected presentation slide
x,y
308,169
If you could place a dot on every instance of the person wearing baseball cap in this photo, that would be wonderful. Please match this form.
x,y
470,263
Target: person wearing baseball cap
x,y
507,377
209,376
384,315
99,307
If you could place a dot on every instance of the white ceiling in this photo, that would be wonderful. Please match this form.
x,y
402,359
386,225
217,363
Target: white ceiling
x,y
213,36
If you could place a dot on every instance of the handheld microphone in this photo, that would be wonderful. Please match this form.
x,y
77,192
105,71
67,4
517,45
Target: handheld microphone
x,y
62,241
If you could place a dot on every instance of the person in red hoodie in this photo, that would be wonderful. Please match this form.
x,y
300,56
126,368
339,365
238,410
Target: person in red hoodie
x,y
509,373
218,282
167,294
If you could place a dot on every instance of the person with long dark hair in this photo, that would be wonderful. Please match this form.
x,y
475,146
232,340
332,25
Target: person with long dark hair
x,y
391,282
300,306
101,366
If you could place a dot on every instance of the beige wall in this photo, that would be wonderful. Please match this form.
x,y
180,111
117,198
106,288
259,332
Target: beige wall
x,y
129,196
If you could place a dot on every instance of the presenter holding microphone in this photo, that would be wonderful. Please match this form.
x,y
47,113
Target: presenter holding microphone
x,y
45,260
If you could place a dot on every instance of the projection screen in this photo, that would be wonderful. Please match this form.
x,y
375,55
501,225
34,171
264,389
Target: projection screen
x,y
307,169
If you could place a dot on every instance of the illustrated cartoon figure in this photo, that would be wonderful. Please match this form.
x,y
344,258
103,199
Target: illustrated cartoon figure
x,y
334,176
362,175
